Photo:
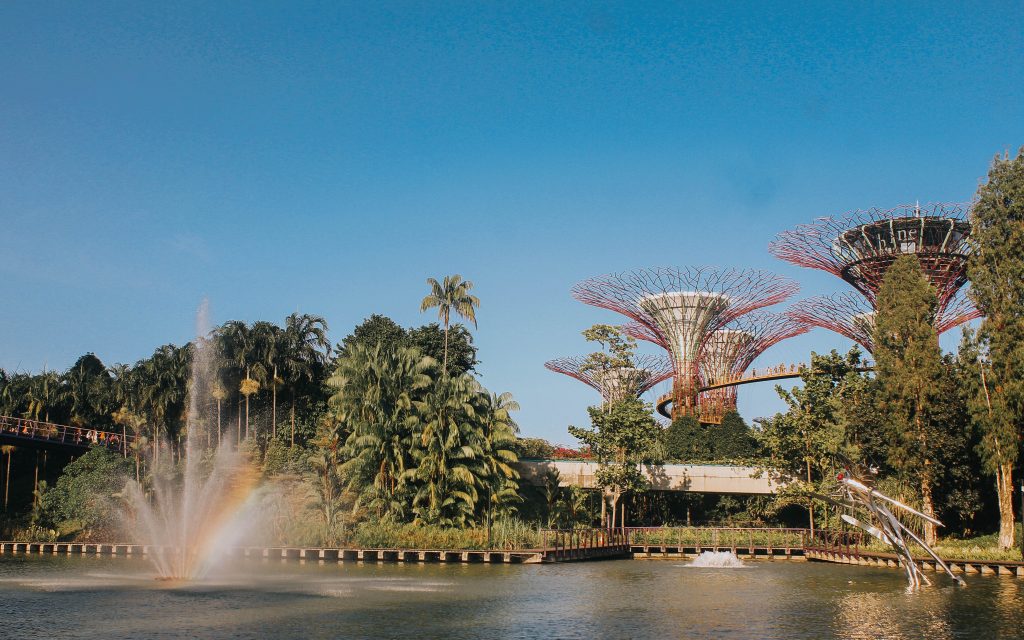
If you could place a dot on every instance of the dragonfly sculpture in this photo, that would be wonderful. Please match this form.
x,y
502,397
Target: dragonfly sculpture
x,y
856,493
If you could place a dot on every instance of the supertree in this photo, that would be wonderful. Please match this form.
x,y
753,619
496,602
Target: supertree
x,y
680,307
730,351
859,247
615,383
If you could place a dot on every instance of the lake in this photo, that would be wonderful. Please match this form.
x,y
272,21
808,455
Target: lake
x,y
103,597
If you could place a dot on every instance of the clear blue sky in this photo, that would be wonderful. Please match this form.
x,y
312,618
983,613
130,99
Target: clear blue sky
x,y
327,158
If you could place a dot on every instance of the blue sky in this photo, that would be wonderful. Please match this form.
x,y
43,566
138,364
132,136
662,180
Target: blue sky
x,y
328,158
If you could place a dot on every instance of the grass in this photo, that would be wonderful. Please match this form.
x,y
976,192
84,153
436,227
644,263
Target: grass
x,y
980,548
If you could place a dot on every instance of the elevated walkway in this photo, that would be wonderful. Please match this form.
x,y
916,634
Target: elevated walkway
x,y
669,477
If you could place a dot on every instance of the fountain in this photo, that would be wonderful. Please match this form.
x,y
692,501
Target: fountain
x,y
717,560
190,522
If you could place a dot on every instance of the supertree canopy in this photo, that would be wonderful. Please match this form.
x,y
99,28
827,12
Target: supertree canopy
x,y
679,308
852,316
615,383
859,247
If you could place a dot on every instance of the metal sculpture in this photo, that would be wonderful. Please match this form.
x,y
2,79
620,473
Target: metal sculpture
x,y
615,383
678,308
857,493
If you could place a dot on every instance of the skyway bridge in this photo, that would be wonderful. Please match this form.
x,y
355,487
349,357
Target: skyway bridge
x,y
779,372
40,434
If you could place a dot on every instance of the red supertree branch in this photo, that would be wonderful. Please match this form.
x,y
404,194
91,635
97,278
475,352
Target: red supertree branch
x,y
860,246
848,314
957,311
853,316
743,290
615,383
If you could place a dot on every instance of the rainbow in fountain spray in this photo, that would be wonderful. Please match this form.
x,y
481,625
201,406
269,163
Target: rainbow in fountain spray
x,y
190,521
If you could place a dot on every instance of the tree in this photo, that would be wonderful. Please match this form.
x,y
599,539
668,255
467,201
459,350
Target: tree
x,y
451,295
376,329
498,444
686,440
307,350
375,387
448,454
808,440
84,496
996,271
621,434
908,367
733,439
430,340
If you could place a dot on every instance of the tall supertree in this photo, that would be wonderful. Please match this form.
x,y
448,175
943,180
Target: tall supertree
x,y
615,383
680,307
859,247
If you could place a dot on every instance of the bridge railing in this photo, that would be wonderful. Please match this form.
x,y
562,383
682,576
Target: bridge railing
x,y
746,537
832,540
39,431
561,540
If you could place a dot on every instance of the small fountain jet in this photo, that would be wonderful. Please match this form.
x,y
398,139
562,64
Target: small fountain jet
x,y
855,491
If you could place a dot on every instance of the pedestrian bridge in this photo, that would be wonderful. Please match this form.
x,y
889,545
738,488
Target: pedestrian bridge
x,y
696,478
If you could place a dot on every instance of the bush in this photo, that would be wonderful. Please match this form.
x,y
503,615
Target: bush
x,y
84,498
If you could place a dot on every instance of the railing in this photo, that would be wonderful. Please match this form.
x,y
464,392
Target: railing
x,y
39,431
746,537
829,540
576,542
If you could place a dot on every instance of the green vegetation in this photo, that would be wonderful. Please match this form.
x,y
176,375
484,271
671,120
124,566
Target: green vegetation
x,y
996,270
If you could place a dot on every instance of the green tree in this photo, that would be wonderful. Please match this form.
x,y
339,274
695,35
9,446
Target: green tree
x,y
686,440
996,271
375,388
498,441
808,440
84,497
448,454
908,367
733,439
453,295
430,340
621,434
307,351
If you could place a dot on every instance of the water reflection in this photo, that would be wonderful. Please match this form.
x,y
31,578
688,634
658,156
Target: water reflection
x,y
86,597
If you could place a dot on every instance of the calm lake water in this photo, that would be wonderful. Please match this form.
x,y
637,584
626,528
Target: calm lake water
x,y
88,597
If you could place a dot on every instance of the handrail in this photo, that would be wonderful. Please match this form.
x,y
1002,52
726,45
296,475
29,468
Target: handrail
x,y
40,431
721,536
563,543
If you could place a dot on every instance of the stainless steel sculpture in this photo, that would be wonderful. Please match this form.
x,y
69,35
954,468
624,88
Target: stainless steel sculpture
x,y
858,494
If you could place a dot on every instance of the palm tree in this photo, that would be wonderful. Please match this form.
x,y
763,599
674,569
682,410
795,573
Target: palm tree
x,y
376,387
499,437
451,295
449,455
7,450
307,349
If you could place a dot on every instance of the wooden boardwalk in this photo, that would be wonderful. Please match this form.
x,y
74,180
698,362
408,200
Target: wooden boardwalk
x,y
560,546
873,559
